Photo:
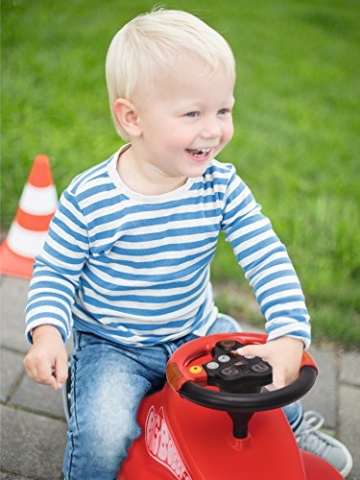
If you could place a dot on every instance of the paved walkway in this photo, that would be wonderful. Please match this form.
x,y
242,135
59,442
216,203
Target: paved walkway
x,y
32,421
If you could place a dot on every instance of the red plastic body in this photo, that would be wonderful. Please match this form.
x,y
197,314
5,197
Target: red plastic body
x,y
184,441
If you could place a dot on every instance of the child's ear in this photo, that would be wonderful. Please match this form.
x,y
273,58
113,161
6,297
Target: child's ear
x,y
127,116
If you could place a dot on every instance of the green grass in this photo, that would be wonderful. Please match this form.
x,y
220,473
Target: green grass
x,y
296,117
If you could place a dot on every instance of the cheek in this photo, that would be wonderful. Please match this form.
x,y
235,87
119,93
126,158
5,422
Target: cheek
x,y
176,136
228,132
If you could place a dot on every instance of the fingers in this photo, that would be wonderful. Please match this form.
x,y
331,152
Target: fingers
x,y
282,377
61,371
252,351
262,351
279,380
40,370
283,354
47,367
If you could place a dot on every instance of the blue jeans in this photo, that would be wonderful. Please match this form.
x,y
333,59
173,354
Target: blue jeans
x,y
108,383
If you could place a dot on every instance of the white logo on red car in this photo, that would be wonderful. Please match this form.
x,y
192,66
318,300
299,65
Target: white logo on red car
x,y
160,444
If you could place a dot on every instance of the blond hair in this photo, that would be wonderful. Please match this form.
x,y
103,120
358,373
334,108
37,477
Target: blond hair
x,y
154,41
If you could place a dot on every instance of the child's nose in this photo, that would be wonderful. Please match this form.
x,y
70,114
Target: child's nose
x,y
211,128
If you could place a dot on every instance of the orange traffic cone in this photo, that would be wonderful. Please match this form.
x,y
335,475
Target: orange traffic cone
x,y
27,233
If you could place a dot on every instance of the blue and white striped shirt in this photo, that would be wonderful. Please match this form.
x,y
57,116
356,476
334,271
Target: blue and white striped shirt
x,y
135,269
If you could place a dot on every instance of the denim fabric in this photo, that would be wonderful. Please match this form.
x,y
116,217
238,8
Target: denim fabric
x,y
108,383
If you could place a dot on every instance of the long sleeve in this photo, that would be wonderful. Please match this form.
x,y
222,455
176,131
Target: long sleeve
x,y
57,269
266,264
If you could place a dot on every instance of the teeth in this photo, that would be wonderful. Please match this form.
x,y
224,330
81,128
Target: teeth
x,y
202,151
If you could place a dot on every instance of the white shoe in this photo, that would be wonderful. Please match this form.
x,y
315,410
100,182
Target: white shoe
x,y
321,444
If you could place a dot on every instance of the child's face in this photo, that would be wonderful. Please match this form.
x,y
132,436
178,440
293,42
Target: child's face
x,y
186,121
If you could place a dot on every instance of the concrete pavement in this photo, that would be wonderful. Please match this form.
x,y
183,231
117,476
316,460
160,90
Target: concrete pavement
x,y
33,427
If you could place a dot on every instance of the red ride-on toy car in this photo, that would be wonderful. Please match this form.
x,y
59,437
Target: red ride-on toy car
x,y
213,419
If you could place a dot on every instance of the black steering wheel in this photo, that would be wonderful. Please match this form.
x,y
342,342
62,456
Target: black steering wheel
x,y
212,361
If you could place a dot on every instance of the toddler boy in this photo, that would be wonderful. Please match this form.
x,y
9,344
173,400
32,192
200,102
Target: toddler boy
x,y
127,259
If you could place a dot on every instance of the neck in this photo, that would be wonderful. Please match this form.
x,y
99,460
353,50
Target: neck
x,y
146,180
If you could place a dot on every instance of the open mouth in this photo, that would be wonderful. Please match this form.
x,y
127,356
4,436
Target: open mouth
x,y
199,153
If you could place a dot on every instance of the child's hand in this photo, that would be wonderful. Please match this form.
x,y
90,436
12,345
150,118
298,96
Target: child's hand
x,y
284,355
46,361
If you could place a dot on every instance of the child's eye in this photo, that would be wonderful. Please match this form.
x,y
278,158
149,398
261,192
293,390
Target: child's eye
x,y
192,114
223,111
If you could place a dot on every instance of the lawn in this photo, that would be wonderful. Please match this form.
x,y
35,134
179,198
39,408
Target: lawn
x,y
296,118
